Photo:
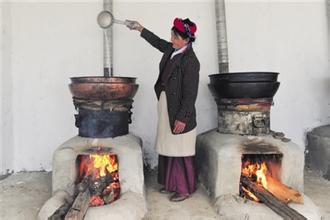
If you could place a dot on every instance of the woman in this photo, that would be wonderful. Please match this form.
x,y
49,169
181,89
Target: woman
x,y
176,90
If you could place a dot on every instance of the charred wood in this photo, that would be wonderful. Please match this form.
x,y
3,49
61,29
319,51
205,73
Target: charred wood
x,y
271,201
79,207
60,213
283,192
97,186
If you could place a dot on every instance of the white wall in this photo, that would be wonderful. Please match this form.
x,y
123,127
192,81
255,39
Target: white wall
x,y
6,92
1,76
48,42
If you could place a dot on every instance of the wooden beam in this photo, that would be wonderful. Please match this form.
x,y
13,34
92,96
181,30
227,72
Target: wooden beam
x,y
283,192
79,207
271,201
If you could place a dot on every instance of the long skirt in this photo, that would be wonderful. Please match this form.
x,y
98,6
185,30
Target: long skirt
x,y
177,174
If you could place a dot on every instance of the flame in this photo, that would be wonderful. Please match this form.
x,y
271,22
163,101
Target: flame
x,y
261,175
257,169
97,165
250,194
96,201
265,174
104,163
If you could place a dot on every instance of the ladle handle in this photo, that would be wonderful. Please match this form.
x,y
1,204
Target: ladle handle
x,y
119,22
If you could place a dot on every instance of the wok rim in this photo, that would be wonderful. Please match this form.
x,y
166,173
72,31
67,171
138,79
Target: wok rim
x,y
237,73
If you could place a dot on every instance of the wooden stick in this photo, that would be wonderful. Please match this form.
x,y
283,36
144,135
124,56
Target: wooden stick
x,y
282,192
271,201
60,212
79,207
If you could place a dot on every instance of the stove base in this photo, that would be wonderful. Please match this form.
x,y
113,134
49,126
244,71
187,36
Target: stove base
x,y
219,161
127,147
129,206
236,208
129,152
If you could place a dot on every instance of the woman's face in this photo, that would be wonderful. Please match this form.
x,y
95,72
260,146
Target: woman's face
x,y
177,41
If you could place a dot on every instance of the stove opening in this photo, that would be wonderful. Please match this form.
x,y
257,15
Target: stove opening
x,y
261,180
98,174
262,169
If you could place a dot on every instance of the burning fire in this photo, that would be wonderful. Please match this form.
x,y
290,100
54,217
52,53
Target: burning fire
x,y
100,173
250,194
258,170
102,164
260,178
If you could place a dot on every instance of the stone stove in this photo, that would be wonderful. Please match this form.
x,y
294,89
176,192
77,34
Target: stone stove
x,y
244,131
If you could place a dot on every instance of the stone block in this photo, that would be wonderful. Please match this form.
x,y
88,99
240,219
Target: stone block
x,y
318,150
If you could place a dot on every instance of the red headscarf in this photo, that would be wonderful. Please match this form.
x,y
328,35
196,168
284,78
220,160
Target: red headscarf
x,y
185,26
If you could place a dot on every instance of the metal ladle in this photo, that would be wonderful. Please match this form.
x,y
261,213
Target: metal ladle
x,y
106,19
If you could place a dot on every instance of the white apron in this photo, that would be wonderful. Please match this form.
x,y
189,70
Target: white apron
x,y
168,144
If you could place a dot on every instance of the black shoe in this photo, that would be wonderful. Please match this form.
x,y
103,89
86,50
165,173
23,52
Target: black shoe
x,y
178,197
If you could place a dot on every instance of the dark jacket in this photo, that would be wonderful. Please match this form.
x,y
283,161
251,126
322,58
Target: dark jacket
x,y
182,86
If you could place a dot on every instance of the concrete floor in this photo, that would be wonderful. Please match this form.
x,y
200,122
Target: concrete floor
x,y
23,194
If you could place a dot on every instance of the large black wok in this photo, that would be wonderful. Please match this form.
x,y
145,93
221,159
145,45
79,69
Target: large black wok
x,y
243,89
245,77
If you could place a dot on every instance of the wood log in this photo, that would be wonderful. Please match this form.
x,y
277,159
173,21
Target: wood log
x,y
60,213
79,207
282,192
282,209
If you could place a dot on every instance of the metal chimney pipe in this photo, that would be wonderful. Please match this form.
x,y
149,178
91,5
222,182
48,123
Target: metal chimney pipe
x,y
328,14
107,44
220,13
328,10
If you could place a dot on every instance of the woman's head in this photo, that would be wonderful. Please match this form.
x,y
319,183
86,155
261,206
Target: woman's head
x,y
183,32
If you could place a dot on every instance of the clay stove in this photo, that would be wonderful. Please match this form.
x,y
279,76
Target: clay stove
x,y
103,105
244,137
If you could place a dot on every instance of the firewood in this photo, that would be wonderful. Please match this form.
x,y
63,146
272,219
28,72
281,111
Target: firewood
x,y
60,212
79,207
282,192
271,201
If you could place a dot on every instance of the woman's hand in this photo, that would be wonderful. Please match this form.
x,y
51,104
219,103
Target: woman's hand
x,y
134,25
179,127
